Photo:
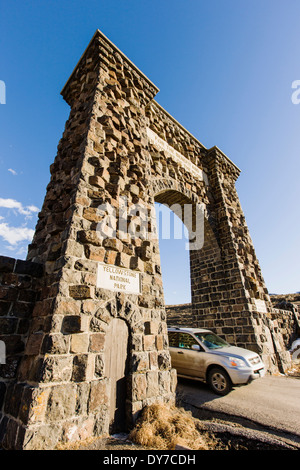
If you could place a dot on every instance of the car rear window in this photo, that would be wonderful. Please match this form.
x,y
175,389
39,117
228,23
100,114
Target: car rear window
x,y
186,341
181,340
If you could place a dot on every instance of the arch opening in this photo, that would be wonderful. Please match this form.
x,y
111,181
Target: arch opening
x,y
174,218
190,254
174,257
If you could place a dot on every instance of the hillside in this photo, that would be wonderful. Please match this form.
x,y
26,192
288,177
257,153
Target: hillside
x,y
181,315
282,300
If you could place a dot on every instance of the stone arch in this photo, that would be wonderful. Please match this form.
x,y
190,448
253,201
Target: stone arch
x,y
170,191
119,142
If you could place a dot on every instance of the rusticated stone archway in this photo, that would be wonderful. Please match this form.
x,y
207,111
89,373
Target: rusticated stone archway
x,y
96,242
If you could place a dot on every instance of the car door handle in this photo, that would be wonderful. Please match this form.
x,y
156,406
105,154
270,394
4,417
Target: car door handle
x,y
179,352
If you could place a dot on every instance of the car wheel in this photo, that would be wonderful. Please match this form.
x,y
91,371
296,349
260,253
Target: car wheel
x,y
219,381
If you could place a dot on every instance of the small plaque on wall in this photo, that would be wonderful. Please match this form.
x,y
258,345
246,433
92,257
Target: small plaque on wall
x,y
260,305
118,279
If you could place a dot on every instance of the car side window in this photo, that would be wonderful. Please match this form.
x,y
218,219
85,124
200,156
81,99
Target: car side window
x,y
173,339
186,341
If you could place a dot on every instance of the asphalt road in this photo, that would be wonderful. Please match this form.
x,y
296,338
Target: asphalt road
x,y
272,402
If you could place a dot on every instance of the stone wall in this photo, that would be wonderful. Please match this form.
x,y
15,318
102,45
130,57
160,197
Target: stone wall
x,y
285,316
287,324
20,282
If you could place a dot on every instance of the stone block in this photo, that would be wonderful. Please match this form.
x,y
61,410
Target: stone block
x,y
146,251
79,343
164,382
110,257
79,430
137,342
11,432
99,396
7,264
123,260
61,403
72,324
113,133
56,344
28,267
22,309
34,344
139,386
97,341
4,308
80,292
89,236
136,264
88,306
83,368
164,361
63,306
99,365
140,362
151,328
149,342
113,244
97,181
56,369
159,342
34,404
91,213
173,383
99,147
95,253
8,325
152,384
13,399
8,293
43,437
82,395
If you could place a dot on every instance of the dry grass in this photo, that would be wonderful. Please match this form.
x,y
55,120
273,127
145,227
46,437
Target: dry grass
x,y
163,427
89,442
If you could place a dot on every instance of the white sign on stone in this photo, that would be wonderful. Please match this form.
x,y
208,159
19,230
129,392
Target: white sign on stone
x,y
162,145
118,279
261,305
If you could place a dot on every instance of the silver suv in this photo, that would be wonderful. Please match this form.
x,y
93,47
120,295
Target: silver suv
x,y
199,354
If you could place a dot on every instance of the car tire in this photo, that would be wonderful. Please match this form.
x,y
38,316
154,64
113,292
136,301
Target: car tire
x,y
219,381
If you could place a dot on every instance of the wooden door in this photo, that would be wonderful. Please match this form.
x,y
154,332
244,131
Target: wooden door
x,y
116,365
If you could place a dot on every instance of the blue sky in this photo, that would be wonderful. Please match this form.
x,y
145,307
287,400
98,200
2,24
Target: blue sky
x,y
225,71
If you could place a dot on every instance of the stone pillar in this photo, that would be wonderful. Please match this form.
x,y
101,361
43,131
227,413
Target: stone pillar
x,y
228,291
64,392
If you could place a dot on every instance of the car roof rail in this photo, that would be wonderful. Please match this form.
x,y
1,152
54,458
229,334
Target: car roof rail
x,y
175,327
